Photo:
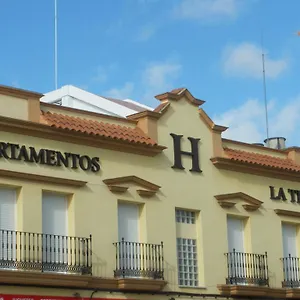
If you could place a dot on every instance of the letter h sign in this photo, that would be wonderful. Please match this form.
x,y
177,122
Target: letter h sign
x,y
194,154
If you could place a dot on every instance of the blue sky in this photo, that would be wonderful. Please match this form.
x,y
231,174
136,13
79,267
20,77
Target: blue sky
x,y
139,48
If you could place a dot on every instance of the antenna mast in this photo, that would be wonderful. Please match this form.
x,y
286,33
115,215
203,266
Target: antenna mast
x,y
265,89
55,44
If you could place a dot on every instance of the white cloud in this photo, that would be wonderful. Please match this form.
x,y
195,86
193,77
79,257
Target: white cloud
x,y
245,60
145,33
286,121
159,77
123,92
244,122
155,78
247,122
102,73
207,10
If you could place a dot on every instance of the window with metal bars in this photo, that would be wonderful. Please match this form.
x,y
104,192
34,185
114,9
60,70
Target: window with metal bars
x,y
187,262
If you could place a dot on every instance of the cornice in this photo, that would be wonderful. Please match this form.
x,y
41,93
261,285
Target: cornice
x,y
47,132
248,168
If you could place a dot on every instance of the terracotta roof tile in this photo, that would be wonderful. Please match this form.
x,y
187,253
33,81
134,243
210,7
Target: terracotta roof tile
x,y
107,130
262,160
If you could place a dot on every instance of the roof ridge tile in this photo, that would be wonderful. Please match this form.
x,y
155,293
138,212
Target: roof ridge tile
x,y
261,159
98,128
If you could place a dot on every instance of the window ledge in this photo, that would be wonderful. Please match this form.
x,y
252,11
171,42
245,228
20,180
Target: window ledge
x,y
200,287
41,178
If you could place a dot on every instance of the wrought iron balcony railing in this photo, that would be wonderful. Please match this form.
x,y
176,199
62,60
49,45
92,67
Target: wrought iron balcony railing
x,y
247,268
45,252
291,272
139,260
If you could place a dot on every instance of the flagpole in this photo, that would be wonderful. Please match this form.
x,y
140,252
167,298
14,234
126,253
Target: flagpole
x,y
265,87
55,44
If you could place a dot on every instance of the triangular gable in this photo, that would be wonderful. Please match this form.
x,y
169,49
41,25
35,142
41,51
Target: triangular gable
x,y
228,200
117,185
181,93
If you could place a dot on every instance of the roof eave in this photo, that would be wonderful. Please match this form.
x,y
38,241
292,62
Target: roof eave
x,y
142,114
255,169
253,146
75,137
12,91
209,123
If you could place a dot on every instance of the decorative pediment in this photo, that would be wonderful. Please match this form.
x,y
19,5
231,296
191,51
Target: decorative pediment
x,y
178,94
229,200
287,213
118,185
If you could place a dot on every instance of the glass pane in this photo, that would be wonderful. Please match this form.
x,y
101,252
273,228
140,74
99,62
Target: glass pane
x,y
187,262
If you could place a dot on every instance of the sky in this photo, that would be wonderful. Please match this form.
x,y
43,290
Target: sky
x,y
140,48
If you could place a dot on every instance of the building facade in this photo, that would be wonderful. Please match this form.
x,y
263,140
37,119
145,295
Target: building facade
x,y
156,205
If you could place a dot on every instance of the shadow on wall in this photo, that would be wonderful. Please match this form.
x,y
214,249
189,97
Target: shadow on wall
x,y
170,275
100,267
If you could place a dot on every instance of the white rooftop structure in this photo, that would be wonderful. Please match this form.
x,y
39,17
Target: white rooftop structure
x,y
74,97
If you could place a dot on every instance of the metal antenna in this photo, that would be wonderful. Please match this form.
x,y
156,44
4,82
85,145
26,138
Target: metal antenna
x,y
55,44
265,88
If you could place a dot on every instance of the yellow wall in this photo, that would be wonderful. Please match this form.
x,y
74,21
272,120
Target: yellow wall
x,y
14,107
93,208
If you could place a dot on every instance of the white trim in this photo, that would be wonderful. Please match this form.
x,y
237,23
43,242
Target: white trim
x,y
138,104
88,98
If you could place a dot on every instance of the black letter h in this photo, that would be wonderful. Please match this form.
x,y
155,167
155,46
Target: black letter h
x,y
178,152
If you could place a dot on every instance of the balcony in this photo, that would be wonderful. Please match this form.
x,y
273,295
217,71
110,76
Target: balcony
x,y
45,252
247,269
291,272
139,260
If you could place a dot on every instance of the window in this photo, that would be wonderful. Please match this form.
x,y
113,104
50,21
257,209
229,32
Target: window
x,y
185,216
128,249
235,234
291,266
55,243
187,262
289,239
8,235
187,256
128,222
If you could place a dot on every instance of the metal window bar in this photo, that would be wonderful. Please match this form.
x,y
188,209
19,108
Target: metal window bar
x,y
45,252
291,272
135,259
247,268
